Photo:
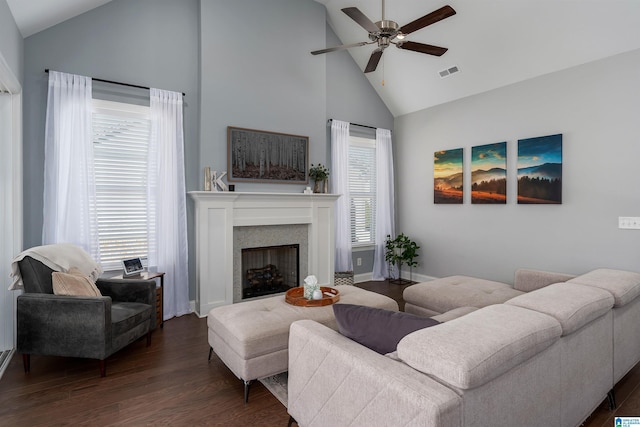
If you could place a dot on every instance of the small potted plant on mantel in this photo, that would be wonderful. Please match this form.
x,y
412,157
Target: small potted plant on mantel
x,y
320,176
400,250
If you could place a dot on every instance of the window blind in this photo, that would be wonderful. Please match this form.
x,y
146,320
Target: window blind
x,y
121,144
362,190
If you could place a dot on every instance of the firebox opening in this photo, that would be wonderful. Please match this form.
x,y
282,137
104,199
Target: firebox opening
x,y
270,270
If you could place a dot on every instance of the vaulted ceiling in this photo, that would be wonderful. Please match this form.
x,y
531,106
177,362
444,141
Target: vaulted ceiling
x,y
33,16
493,43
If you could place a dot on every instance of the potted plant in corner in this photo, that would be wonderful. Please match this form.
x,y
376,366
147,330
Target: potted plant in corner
x,y
398,251
320,176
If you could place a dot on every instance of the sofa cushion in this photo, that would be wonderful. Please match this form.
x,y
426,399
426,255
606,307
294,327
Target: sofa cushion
x,y
570,304
73,283
527,280
453,314
376,328
474,349
447,293
623,285
126,315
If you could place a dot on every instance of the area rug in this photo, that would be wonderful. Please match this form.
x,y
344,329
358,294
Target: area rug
x,y
277,385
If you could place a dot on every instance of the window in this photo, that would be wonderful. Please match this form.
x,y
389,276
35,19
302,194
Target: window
x,y
121,142
362,190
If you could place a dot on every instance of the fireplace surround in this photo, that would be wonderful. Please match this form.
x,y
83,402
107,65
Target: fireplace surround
x,y
220,216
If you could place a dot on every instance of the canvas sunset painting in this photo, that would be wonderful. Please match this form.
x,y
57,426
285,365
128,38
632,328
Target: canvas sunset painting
x,y
489,173
448,176
540,170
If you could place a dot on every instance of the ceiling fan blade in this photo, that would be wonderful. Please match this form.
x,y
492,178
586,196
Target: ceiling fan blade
x,y
366,23
422,48
431,18
336,48
373,61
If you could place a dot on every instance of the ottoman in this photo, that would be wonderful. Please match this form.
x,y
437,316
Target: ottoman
x,y
252,337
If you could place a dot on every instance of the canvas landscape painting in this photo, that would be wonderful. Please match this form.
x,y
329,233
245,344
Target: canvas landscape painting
x,y
448,177
489,173
540,170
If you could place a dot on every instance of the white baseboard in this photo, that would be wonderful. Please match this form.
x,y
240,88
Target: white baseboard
x,y
363,277
5,358
367,277
418,277
192,306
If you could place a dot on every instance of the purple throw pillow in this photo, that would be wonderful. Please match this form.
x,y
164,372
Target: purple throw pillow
x,y
375,328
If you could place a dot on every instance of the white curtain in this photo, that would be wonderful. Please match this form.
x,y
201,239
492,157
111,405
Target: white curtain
x,y
69,184
385,221
340,185
167,196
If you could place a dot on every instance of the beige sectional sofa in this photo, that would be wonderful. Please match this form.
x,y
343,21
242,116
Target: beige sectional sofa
x,y
546,357
623,285
442,295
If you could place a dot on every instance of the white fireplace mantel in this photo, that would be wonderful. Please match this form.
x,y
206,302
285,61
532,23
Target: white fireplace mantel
x,y
216,213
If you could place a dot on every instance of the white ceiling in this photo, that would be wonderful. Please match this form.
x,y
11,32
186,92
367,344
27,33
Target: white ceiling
x,y
33,16
493,42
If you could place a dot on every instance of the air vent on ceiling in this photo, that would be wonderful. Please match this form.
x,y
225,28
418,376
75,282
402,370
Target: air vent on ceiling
x,y
448,71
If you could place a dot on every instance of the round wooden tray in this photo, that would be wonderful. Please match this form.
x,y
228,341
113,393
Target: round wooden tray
x,y
295,296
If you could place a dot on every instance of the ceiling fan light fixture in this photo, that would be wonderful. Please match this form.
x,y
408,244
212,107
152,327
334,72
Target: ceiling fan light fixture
x,y
386,32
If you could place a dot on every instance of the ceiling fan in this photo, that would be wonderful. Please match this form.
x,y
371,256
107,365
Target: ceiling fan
x,y
387,32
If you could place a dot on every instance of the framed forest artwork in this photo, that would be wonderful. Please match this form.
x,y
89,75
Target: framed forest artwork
x,y
448,177
263,156
540,170
489,173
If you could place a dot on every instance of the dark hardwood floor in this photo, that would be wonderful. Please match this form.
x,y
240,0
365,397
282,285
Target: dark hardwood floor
x,y
171,383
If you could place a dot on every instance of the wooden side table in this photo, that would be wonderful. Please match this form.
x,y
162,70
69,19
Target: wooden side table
x,y
159,292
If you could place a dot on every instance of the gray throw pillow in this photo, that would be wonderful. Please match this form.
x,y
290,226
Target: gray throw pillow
x,y
375,328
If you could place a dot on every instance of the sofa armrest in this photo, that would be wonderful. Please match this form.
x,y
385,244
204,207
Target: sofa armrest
x,y
527,280
129,290
332,379
59,325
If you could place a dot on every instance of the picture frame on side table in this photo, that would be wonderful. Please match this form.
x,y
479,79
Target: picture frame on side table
x,y
132,267
267,157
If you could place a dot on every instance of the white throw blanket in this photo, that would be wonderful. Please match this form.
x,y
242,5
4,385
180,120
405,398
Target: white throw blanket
x,y
59,257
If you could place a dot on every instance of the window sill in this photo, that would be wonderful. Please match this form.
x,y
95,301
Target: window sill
x,y
363,248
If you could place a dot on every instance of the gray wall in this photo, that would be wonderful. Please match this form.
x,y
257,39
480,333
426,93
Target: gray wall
x,y
257,73
11,42
597,113
240,62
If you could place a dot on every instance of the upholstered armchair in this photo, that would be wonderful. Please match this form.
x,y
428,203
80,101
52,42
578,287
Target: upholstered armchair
x,y
81,326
